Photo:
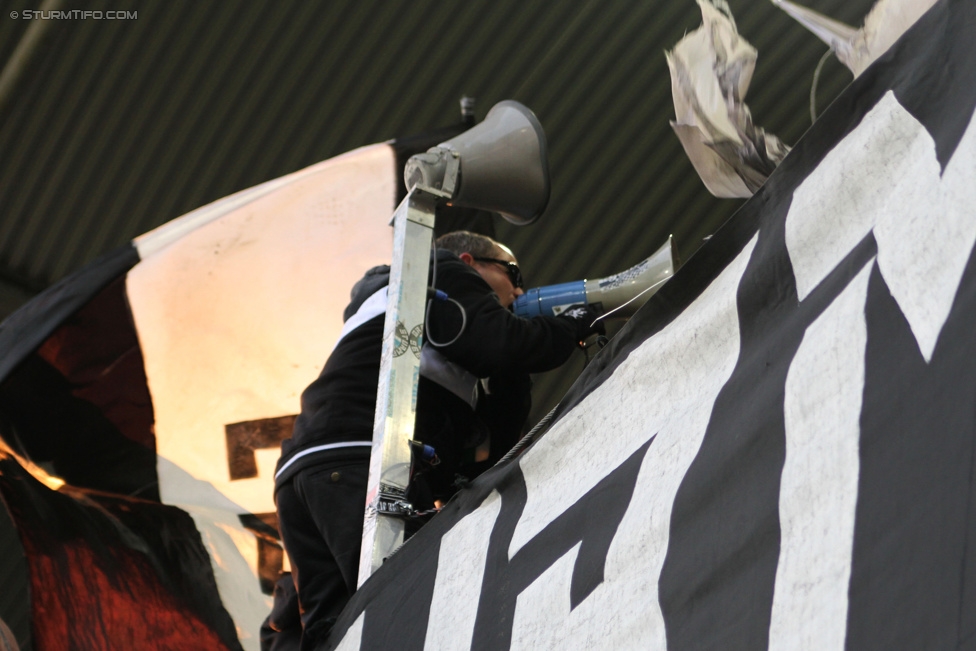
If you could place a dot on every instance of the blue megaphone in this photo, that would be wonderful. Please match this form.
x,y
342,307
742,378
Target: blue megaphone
x,y
617,297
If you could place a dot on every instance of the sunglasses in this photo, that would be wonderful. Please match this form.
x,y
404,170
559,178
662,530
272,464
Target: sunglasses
x,y
512,269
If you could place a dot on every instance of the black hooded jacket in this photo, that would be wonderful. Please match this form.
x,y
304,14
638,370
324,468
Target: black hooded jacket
x,y
338,408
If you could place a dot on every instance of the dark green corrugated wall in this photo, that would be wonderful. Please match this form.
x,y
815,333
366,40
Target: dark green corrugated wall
x,y
113,127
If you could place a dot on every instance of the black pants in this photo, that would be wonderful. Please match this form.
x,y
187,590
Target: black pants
x,y
282,629
320,516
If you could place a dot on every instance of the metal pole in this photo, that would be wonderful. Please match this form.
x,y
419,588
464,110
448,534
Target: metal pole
x,y
396,397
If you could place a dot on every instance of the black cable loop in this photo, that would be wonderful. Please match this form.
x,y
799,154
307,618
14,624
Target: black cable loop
x,y
430,301
464,323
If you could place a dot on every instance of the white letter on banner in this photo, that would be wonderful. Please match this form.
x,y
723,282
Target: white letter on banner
x,y
818,493
926,237
666,387
353,639
460,572
885,176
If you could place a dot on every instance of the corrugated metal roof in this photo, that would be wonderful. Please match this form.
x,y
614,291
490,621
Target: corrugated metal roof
x,y
116,126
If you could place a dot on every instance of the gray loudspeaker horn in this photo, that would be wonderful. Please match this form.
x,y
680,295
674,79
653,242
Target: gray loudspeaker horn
x,y
500,165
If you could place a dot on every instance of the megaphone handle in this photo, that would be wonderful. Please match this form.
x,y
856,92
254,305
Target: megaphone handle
x,y
590,342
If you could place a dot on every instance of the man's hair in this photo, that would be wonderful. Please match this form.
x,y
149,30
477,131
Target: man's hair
x,y
460,242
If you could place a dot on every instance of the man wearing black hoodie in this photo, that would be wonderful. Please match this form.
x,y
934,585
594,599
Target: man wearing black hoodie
x,y
473,399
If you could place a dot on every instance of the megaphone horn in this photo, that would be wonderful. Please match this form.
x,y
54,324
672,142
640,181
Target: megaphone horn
x,y
618,296
500,165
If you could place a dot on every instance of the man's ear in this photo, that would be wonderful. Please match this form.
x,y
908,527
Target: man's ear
x,y
467,259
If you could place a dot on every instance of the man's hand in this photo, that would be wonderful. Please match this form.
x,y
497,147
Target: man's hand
x,y
585,319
